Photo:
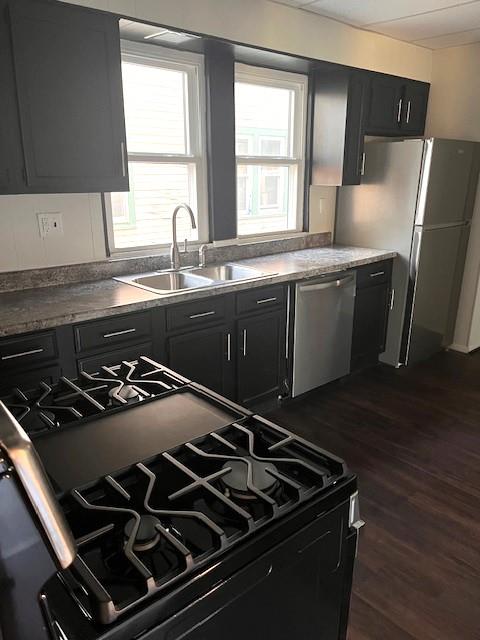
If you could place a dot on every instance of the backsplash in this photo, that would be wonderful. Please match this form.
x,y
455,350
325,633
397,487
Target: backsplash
x,y
104,269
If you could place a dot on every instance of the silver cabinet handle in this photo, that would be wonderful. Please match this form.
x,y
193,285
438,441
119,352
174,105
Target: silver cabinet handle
x,y
392,299
399,112
326,285
244,342
124,164
118,333
22,354
362,170
229,347
264,300
409,106
377,273
201,315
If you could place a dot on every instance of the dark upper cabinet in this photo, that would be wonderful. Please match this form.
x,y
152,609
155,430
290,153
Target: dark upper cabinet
x,y
337,141
395,106
61,68
261,359
205,356
414,107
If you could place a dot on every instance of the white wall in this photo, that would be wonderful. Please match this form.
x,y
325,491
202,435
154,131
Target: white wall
x,y
21,246
454,112
257,22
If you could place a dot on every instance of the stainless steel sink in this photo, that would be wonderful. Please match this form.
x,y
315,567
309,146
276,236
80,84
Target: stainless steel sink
x,y
164,282
167,282
227,272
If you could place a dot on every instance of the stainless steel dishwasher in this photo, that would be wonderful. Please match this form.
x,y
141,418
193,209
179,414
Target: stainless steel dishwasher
x,y
322,330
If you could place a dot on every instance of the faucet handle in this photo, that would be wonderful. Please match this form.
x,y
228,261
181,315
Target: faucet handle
x,y
185,245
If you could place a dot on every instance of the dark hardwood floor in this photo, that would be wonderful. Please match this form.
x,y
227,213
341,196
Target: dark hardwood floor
x,y
413,438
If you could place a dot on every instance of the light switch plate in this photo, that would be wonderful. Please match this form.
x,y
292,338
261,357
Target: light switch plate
x,y
50,224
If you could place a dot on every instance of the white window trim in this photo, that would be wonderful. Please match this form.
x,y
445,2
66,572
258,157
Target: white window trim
x,y
275,78
169,58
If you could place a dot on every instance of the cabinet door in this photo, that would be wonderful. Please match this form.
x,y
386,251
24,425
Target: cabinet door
x,y
205,356
370,324
415,108
384,106
261,357
70,102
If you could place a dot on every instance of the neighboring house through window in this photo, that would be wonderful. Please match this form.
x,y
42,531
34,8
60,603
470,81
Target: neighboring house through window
x,y
163,94
270,126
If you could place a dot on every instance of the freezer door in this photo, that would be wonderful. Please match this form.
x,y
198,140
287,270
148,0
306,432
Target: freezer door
x,y
436,254
446,181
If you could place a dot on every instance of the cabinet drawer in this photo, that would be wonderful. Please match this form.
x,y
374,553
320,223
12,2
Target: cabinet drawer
x,y
113,331
260,299
193,314
94,364
29,379
26,351
375,273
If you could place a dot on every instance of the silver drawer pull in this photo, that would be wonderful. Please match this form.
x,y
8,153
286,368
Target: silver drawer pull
x,y
409,106
377,273
266,300
229,347
124,164
118,333
244,341
202,315
23,353
399,112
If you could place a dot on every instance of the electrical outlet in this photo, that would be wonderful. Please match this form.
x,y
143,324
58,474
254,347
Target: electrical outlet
x,y
50,224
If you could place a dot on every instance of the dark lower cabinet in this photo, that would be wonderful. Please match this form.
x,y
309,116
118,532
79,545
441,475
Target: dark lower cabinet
x,y
261,357
370,324
205,356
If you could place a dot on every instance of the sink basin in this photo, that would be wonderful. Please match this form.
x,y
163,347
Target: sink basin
x,y
167,282
227,272
193,278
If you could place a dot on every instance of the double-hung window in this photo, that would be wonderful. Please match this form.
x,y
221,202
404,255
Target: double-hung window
x,y
163,97
270,124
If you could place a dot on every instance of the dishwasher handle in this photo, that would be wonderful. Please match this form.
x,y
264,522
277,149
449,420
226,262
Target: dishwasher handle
x,y
338,282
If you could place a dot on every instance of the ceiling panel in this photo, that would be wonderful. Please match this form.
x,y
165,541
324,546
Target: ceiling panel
x,y
374,11
451,40
429,25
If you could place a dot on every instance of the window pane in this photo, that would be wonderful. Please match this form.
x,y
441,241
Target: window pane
x,y
265,115
144,216
266,198
155,109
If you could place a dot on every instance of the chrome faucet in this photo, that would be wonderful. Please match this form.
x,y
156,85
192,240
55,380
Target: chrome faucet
x,y
174,252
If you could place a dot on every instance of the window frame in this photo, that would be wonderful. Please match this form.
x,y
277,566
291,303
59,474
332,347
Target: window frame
x,y
194,67
299,84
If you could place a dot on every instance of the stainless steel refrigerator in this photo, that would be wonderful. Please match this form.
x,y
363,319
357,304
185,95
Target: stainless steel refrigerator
x,y
416,198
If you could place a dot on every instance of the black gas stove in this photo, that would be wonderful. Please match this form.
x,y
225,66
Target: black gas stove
x,y
172,495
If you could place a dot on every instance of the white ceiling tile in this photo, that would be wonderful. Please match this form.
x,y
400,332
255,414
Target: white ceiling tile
x,y
433,24
372,11
451,40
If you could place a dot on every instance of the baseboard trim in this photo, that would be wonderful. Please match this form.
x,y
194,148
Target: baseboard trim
x,y
461,348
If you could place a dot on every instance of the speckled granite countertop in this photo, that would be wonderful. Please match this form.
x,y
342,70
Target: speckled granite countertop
x,y
35,309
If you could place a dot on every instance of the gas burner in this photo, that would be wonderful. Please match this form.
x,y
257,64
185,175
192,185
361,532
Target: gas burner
x,y
124,393
246,475
147,535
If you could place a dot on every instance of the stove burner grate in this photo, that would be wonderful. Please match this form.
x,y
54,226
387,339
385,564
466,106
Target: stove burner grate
x,y
148,527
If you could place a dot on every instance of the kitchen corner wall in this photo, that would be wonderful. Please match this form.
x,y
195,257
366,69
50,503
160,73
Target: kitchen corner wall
x,y
454,112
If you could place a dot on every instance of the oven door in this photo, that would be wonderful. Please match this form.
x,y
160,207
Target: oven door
x,y
299,589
